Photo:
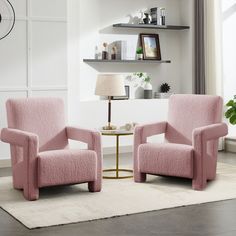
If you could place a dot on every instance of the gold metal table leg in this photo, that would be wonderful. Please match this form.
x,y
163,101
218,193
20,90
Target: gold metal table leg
x,y
117,156
117,170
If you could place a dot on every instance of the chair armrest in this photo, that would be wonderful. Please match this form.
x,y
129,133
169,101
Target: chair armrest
x,y
18,137
201,136
144,131
83,135
141,133
210,132
30,144
93,139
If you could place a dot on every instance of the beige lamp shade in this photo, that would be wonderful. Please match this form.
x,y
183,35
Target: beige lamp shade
x,y
110,85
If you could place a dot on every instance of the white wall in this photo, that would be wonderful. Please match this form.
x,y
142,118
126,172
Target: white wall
x,y
187,46
33,59
229,49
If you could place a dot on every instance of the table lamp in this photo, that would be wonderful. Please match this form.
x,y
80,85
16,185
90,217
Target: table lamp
x,y
110,85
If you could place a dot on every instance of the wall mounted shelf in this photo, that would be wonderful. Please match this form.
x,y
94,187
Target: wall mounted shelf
x,y
125,61
157,27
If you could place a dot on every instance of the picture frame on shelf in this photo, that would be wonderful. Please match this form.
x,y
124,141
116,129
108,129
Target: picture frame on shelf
x,y
126,97
151,46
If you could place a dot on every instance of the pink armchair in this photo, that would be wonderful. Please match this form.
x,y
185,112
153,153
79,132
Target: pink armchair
x,y
40,154
191,141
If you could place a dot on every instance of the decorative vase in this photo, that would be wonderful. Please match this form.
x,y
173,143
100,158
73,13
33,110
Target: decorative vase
x,y
147,90
146,20
104,55
139,56
113,56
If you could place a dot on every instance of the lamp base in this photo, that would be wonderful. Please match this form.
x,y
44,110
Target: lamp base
x,y
109,127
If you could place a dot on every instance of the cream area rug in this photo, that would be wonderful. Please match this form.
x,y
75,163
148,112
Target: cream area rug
x,y
71,204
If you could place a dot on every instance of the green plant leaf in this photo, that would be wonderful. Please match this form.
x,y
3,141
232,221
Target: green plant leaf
x,y
232,120
230,112
147,79
230,103
139,50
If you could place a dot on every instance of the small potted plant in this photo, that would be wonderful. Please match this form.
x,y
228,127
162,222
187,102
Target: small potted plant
x,y
231,111
139,53
165,88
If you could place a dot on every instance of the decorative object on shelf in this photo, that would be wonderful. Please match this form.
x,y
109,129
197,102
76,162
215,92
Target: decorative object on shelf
x,y
121,49
96,55
139,53
135,19
113,53
164,89
126,97
145,83
141,16
146,20
11,19
151,46
162,16
110,85
147,90
154,15
157,95
231,111
105,52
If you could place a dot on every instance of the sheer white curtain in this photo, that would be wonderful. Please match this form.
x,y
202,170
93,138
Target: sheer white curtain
x,y
213,47
213,50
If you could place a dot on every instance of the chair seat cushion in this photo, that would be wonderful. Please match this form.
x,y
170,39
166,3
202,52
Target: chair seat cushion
x,y
66,166
166,159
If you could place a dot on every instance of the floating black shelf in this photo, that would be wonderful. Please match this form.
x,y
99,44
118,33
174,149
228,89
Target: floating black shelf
x,y
125,61
143,26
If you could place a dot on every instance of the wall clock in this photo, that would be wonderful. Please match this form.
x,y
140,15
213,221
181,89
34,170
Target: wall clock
x,y
7,18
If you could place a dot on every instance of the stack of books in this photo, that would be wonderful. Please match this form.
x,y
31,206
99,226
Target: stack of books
x,y
121,49
157,95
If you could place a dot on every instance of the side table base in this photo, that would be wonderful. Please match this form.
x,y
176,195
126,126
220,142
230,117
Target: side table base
x,y
117,174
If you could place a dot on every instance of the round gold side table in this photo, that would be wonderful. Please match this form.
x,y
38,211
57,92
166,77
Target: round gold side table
x,y
117,170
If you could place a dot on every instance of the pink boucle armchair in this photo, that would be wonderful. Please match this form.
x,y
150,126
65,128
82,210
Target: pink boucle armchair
x,y
191,141
40,154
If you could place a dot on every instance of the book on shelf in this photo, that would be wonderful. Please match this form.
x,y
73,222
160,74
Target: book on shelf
x,y
121,49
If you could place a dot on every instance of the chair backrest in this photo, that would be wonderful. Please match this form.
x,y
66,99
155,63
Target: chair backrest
x,y
42,116
187,112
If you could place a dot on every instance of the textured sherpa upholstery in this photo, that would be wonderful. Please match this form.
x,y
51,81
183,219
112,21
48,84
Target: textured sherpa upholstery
x,y
159,158
81,166
40,154
191,133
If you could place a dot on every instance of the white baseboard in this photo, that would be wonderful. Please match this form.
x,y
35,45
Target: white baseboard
x,y
230,144
5,163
